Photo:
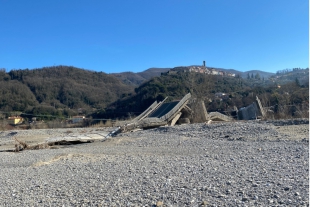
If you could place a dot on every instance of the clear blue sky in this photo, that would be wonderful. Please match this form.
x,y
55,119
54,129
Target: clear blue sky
x,y
134,35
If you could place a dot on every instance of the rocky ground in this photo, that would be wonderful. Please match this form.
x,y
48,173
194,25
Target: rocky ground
x,y
219,164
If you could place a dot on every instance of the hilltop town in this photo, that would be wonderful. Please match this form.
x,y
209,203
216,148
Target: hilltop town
x,y
203,70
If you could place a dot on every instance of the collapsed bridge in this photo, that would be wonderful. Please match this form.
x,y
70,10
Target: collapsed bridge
x,y
160,114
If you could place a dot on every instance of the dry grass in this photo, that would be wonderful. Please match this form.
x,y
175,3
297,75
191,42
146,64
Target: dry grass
x,y
20,146
107,123
288,112
83,132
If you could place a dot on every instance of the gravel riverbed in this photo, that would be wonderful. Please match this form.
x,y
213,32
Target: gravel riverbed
x,y
220,164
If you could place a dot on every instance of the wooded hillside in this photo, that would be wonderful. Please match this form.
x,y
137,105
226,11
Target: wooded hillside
x,y
59,90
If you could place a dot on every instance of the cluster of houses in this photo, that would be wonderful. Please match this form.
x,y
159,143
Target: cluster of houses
x,y
15,120
76,119
201,69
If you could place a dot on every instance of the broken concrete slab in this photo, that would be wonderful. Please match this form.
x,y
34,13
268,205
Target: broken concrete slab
x,y
252,111
76,138
216,116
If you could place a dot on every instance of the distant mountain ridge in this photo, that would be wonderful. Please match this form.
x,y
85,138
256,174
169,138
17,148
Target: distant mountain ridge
x,y
136,79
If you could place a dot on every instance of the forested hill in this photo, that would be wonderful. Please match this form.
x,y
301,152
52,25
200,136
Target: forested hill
x,y
63,91
57,90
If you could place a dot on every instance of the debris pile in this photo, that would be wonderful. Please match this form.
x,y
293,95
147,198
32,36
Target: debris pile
x,y
178,112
